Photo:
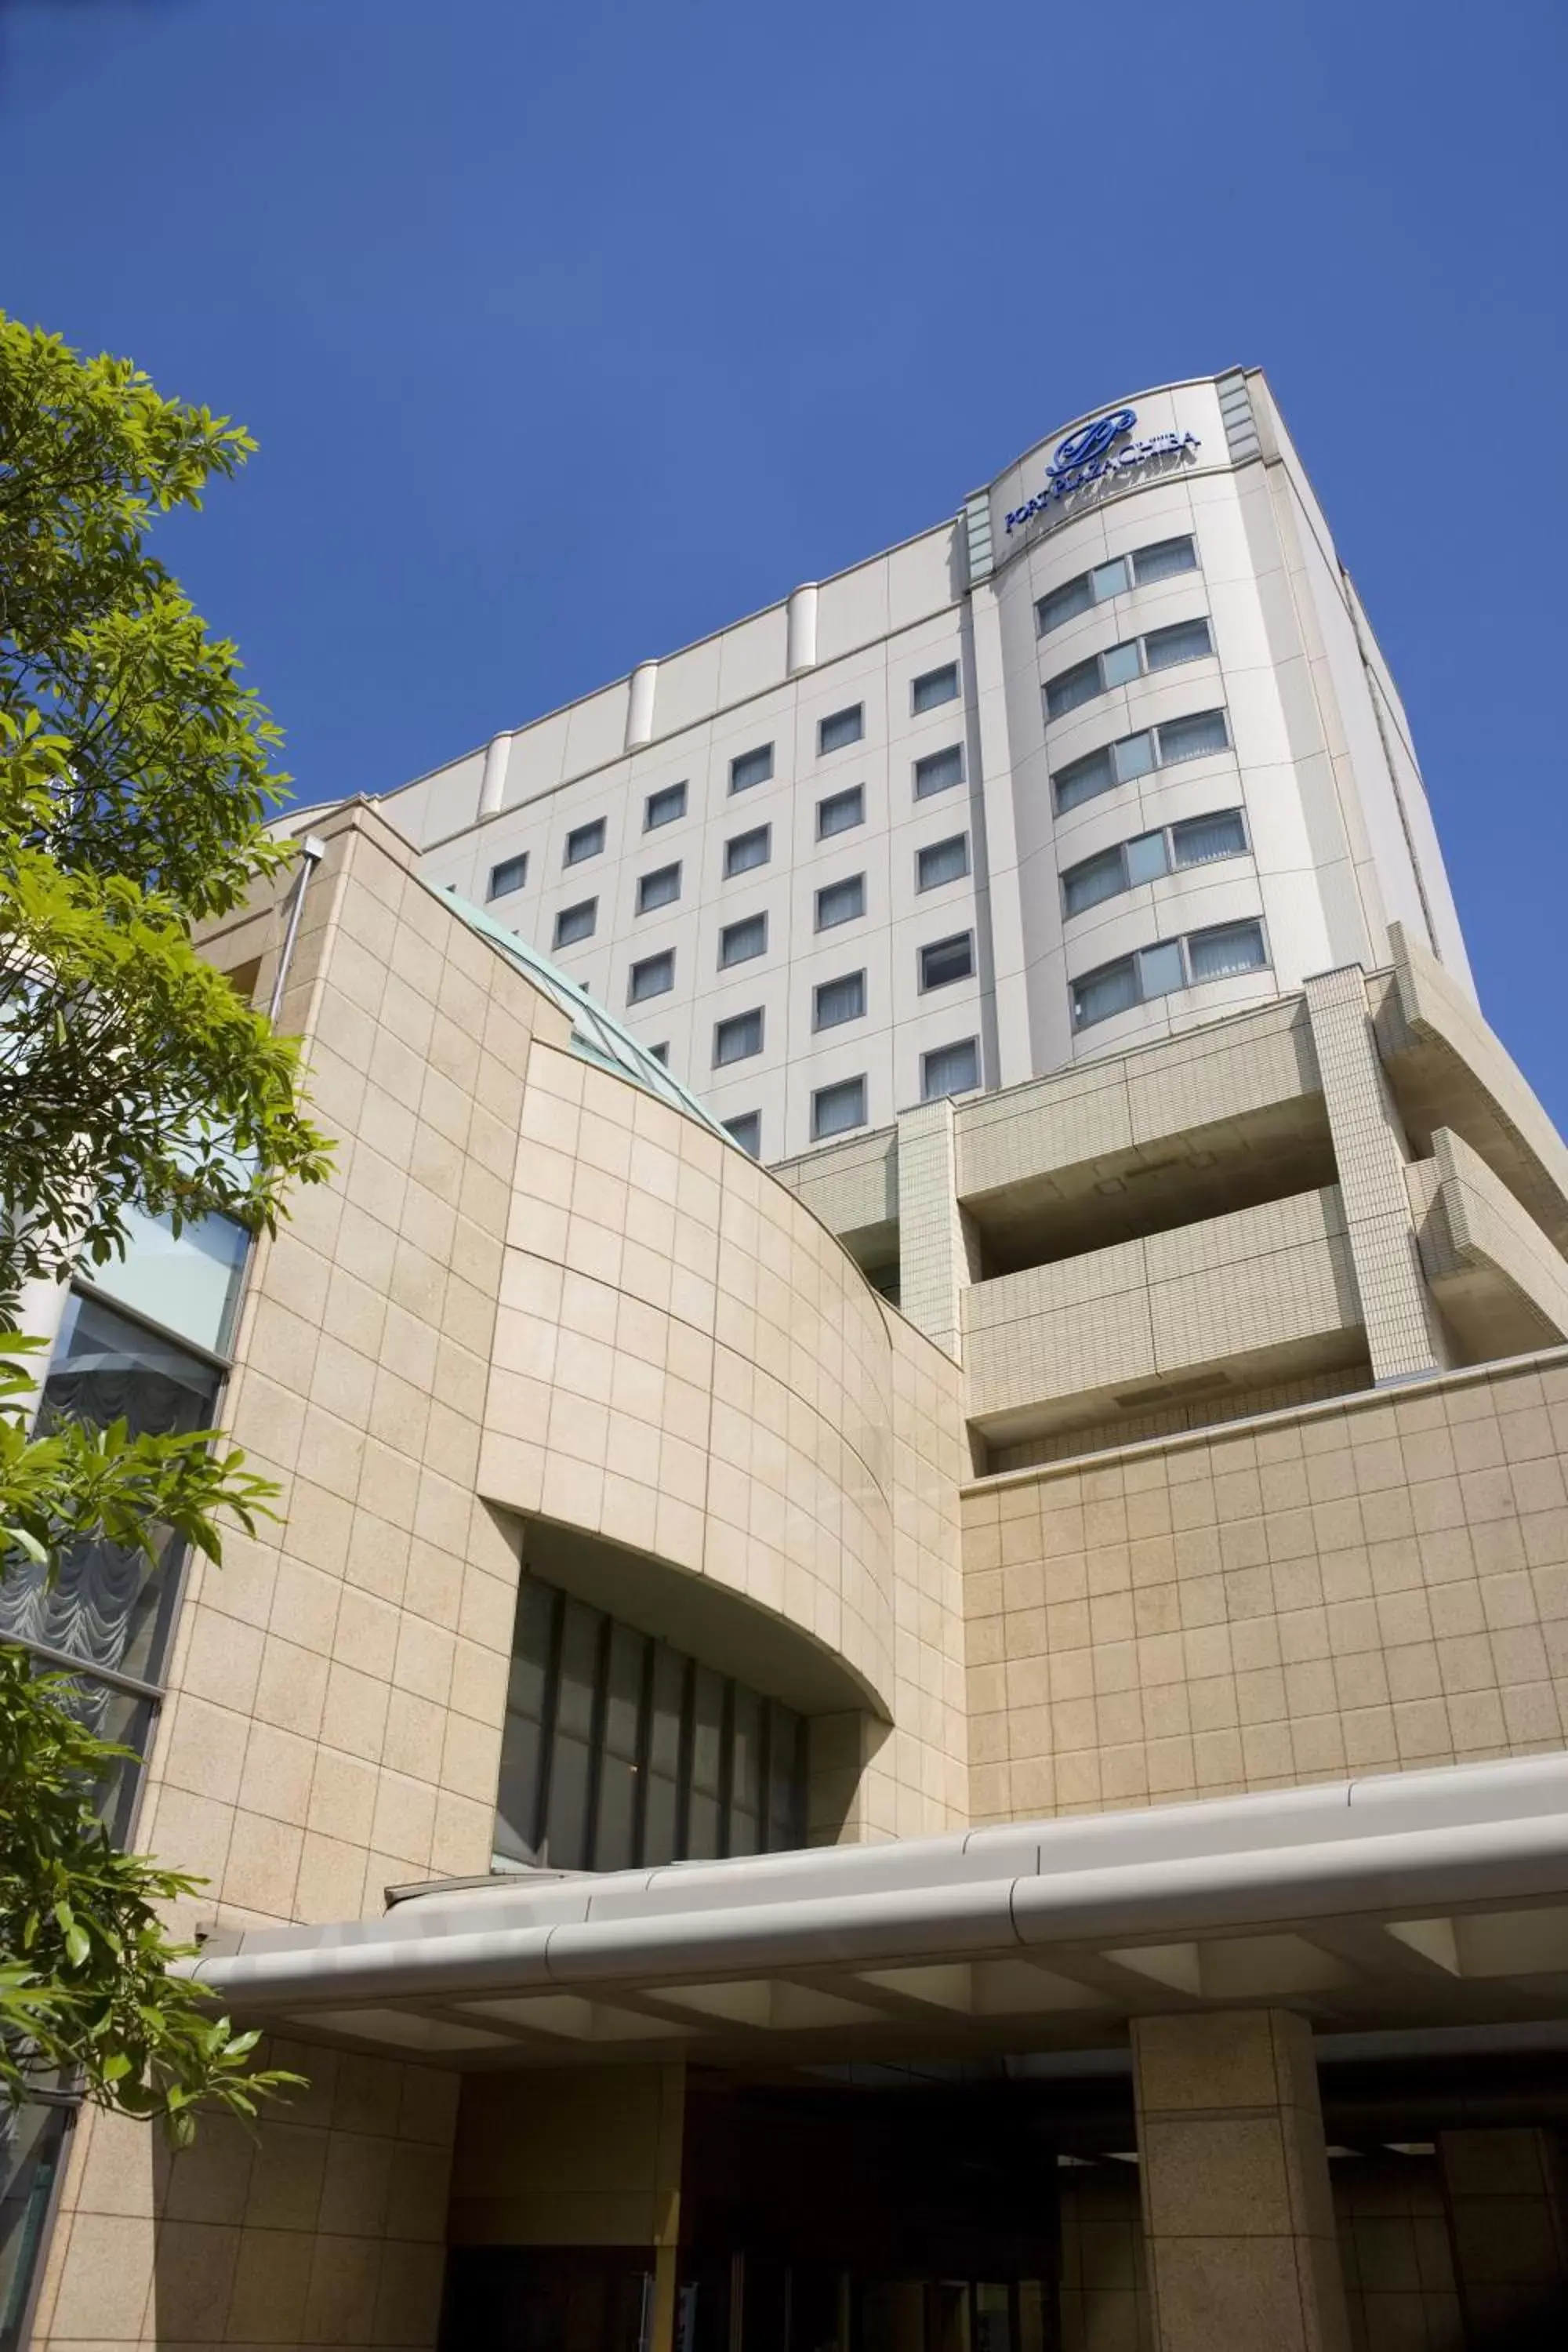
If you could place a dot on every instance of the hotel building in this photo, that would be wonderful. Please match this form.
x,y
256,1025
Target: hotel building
x,y
943,1730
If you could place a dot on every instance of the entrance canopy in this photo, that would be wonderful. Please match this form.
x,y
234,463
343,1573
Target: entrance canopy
x,y
1421,1899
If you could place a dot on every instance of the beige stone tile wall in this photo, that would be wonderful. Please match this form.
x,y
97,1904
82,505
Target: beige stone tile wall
x,y
1402,1329
1105,2288
851,1185
1218,1072
338,1682
1257,1278
326,2225
1211,1408
936,1260
1478,1222
1394,2254
687,1363
1365,1587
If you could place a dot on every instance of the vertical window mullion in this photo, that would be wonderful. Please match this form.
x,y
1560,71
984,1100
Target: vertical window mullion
x,y
596,1743
726,1764
547,1721
645,1761
683,1776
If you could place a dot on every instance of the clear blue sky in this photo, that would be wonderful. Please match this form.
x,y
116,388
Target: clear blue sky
x,y
571,333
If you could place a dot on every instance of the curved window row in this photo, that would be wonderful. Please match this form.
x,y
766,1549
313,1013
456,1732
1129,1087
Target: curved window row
x,y
1197,841
1163,559
620,1751
1220,953
1135,657
1196,737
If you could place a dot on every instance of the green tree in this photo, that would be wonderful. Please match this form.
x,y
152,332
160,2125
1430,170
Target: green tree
x,y
136,780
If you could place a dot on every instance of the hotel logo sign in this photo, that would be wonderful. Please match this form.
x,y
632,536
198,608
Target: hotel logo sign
x,y
1097,454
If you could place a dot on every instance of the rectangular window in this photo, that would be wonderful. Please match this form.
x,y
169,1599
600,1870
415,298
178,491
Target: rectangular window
x,y
1160,969
746,1130
1147,859
1101,996
1226,949
942,861
934,688
1084,779
739,943
1133,756
747,850
834,1002
840,728
574,923
749,768
1194,737
841,813
1108,579
660,888
1070,688
944,961
1203,839
509,875
836,1109
1090,883
1186,641
1119,664
664,807
738,1038
939,772
949,1070
654,976
584,841
841,902
1163,559
1063,604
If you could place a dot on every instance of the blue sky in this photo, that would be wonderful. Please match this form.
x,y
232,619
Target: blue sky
x,y
570,334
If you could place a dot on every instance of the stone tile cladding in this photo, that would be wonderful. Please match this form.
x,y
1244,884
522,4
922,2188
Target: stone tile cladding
x,y
338,1682
1370,1150
325,2226
1363,1587
1198,1294
687,1363
1479,1223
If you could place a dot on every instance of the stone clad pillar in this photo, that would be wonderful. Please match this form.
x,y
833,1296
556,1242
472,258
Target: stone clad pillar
x,y
1505,2194
1237,2215
936,1253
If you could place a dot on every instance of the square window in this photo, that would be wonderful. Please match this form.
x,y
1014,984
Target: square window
x,y
1119,665
1163,559
509,875
654,976
584,841
738,1038
1199,840
939,772
841,813
1108,579
747,850
574,923
942,861
1147,857
746,1130
664,806
1226,949
660,888
1099,995
1192,738
1092,882
1070,688
934,686
1084,779
1135,756
737,942
1160,970
840,728
836,1109
749,768
837,1001
841,902
944,961
1187,640
949,1070
1064,603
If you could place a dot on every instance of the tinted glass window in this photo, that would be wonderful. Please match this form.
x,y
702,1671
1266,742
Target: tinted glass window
x,y
840,902
834,1110
843,728
651,977
737,942
840,813
664,806
660,888
752,768
939,772
951,1070
748,849
942,861
934,688
945,960
509,875
584,841
735,1039
573,923
837,1001
747,1131
1163,559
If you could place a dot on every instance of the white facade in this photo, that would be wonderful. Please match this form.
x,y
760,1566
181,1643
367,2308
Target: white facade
x,y
1310,776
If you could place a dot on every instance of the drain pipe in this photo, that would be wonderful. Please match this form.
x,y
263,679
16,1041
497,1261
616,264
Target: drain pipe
x,y
312,849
